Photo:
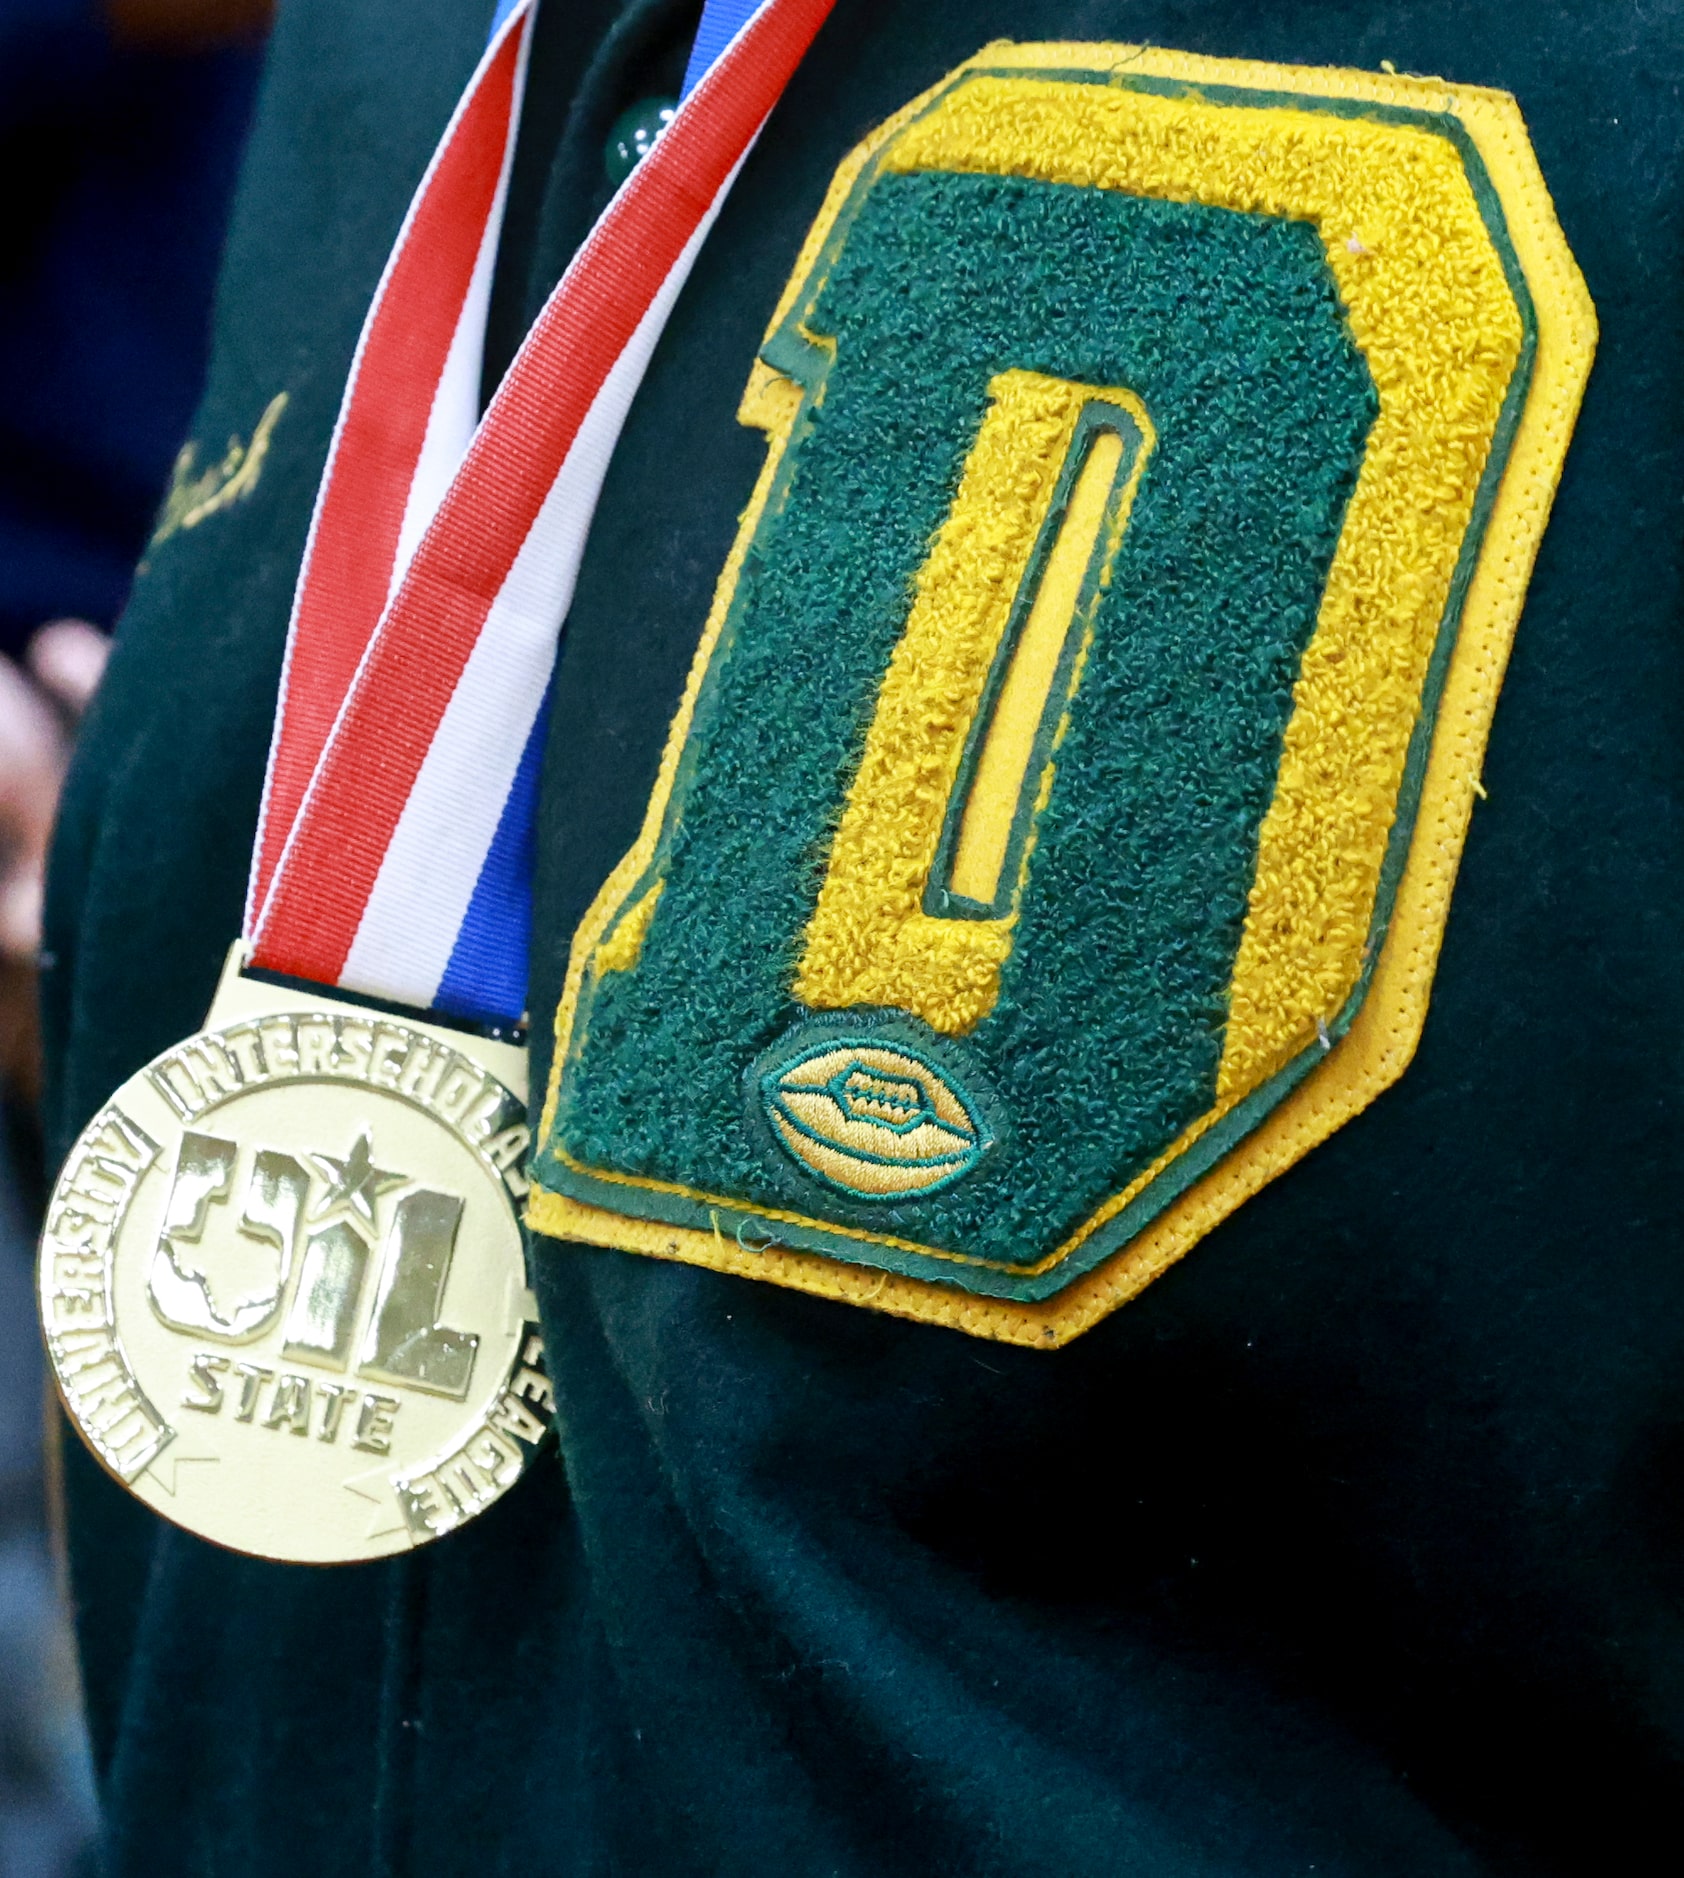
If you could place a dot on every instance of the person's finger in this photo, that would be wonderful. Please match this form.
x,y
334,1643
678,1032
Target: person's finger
x,y
68,657
31,755
21,894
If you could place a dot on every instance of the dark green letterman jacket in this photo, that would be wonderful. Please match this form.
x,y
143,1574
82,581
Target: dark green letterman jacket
x,y
1354,1544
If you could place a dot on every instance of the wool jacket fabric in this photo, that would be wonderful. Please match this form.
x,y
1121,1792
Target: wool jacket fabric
x,y
1352,1546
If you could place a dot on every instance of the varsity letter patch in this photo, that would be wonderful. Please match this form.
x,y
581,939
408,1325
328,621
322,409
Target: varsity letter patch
x,y
1057,833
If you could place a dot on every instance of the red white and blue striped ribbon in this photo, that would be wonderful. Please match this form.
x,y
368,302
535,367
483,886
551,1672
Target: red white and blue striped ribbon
x,y
393,854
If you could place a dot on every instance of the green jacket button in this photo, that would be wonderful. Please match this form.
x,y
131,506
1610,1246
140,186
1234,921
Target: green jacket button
x,y
635,130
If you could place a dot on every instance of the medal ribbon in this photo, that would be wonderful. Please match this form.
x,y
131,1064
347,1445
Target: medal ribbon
x,y
393,852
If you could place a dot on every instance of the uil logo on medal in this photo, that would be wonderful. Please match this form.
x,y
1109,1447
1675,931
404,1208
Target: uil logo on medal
x,y
283,1279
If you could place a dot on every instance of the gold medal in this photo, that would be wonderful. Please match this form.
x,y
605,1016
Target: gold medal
x,y
283,1278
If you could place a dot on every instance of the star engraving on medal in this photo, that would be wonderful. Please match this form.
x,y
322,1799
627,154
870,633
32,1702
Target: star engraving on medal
x,y
355,1184
170,1482
381,1524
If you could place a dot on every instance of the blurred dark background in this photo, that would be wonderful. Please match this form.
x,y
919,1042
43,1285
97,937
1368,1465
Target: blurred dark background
x,y
121,123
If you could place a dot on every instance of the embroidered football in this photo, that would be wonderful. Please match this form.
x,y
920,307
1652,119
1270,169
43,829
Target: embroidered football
x,y
872,1119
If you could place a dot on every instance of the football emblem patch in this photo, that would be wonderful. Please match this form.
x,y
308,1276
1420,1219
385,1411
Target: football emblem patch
x,y
1055,839
868,1116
